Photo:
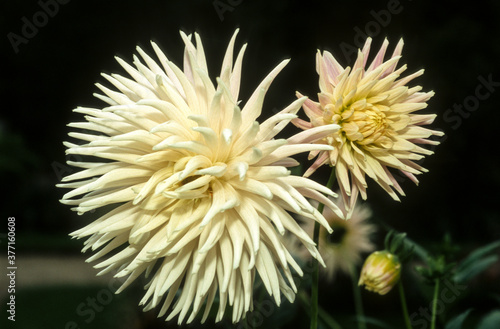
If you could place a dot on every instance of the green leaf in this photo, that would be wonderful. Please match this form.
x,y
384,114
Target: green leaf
x,y
496,297
397,241
397,244
490,321
480,265
418,249
476,255
456,322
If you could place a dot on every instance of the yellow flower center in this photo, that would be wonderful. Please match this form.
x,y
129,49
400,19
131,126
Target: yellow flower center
x,y
361,122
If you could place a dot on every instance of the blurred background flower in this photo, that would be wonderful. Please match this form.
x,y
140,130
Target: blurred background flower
x,y
344,249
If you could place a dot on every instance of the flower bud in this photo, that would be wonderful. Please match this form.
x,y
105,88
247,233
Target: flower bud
x,y
380,272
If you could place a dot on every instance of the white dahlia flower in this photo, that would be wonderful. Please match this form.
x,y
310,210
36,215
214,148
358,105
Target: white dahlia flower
x,y
201,190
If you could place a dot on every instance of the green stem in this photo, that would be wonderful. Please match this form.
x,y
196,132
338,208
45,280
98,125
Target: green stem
x,y
403,305
358,304
323,315
315,265
434,304
315,282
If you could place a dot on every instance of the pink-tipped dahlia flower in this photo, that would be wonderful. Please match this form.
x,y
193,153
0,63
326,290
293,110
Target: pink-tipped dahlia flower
x,y
379,128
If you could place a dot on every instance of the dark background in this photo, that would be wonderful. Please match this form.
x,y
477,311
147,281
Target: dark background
x,y
54,68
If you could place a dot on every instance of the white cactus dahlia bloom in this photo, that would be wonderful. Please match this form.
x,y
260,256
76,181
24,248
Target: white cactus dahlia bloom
x,y
202,190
